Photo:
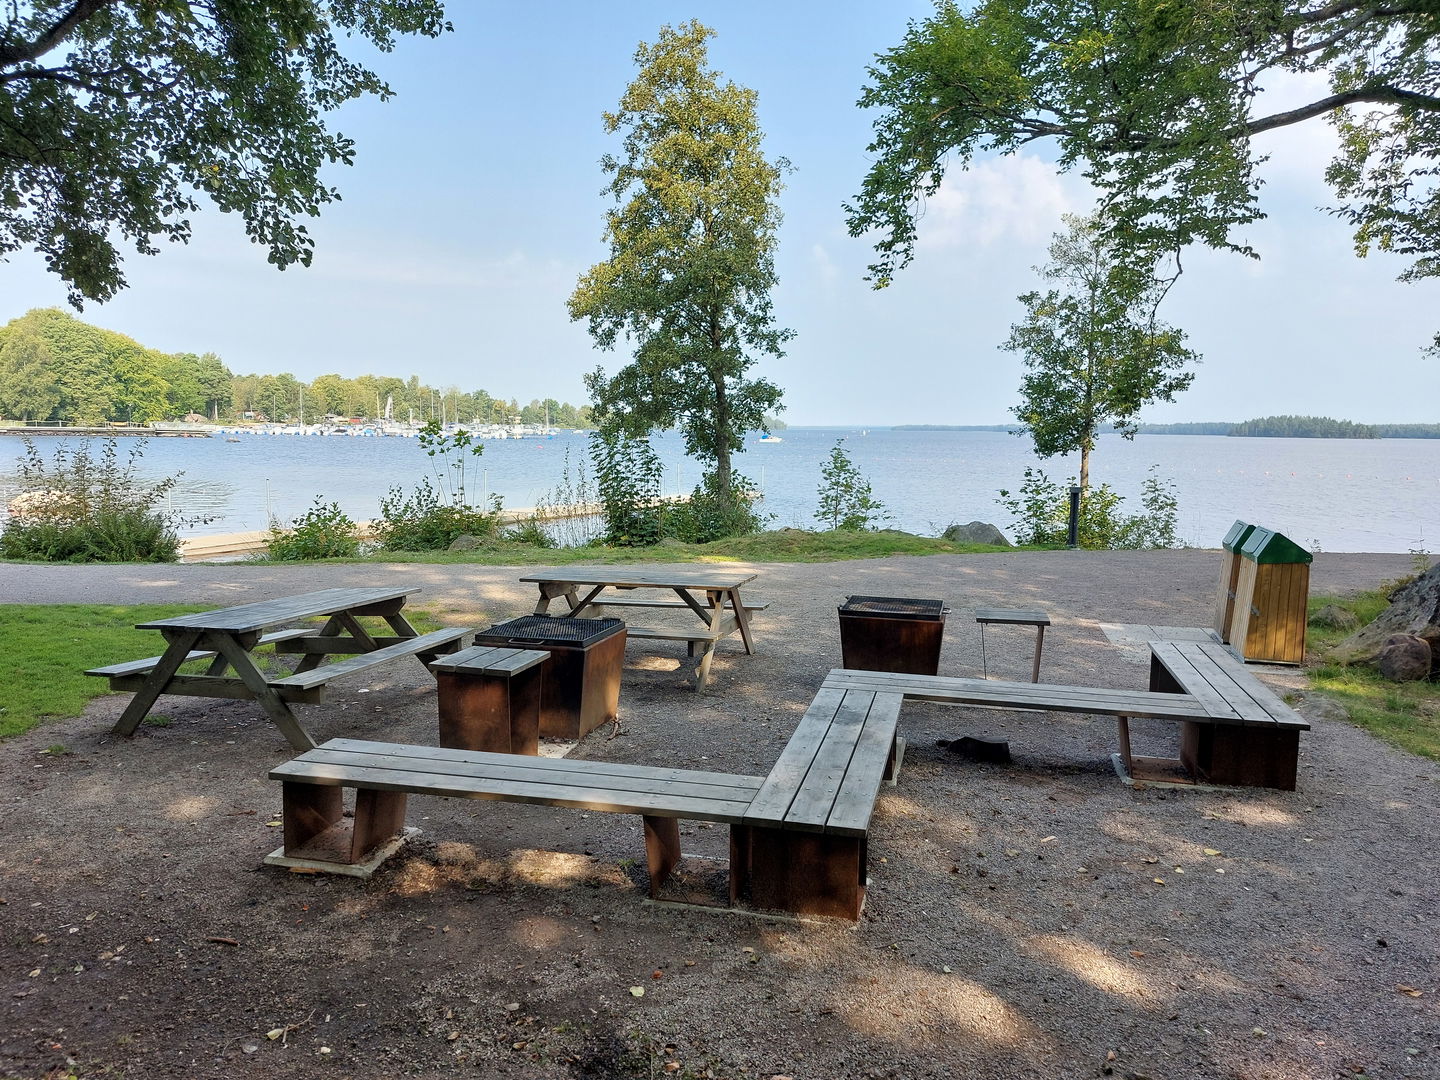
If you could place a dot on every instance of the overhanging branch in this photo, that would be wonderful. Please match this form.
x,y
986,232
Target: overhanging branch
x,y
58,32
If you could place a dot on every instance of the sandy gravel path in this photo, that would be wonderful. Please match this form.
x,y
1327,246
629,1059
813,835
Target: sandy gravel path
x,y
1014,926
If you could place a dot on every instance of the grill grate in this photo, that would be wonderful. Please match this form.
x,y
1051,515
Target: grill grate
x,y
543,628
893,607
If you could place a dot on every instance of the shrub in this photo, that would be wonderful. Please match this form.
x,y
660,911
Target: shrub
x,y
80,507
322,532
422,521
1041,514
532,532
714,513
627,480
566,514
845,498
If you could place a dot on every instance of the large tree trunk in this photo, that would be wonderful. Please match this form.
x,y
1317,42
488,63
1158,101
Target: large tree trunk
x,y
1414,609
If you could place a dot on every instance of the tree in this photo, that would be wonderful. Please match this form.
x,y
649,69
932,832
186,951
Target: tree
x,y
692,238
115,115
1157,104
28,390
1094,351
845,497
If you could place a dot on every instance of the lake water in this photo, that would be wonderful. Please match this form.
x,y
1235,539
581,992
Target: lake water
x,y
1336,495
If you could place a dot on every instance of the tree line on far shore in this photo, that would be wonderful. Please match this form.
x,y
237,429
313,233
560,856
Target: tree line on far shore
x,y
1279,427
54,367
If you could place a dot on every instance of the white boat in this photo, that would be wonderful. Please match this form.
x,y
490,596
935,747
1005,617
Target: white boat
x,y
769,438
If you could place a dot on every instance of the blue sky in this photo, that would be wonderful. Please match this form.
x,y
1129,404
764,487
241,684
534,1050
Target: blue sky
x,y
475,203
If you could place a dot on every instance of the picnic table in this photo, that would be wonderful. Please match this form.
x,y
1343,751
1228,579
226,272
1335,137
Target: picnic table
x,y
228,638
712,595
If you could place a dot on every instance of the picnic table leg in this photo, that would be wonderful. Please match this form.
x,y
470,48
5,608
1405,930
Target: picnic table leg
x,y
160,675
1039,644
549,590
268,699
742,620
310,661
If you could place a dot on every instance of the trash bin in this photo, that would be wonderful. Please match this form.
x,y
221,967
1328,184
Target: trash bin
x,y
490,699
1271,593
580,687
892,633
1229,575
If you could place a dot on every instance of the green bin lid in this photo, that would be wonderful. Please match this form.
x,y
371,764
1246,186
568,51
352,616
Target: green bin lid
x,y
1236,537
1265,546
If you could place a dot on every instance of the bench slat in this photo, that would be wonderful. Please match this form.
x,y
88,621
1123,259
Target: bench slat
x,y
491,660
855,802
1207,669
141,667
409,647
576,795
540,770
579,765
663,634
772,802
815,798
1200,685
608,602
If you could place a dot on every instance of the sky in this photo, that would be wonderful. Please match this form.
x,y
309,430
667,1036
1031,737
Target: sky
x,y
475,204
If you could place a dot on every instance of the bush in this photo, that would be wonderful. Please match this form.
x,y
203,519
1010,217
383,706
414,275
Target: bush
x,y
714,513
82,508
531,532
1041,514
422,521
627,480
565,515
845,498
322,532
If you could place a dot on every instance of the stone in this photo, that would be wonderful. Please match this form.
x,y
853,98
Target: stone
x,y
466,542
978,747
1405,658
1334,617
1414,609
975,532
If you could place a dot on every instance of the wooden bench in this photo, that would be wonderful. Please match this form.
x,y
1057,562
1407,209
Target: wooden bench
x,y
147,665
1249,738
797,836
802,844
383,774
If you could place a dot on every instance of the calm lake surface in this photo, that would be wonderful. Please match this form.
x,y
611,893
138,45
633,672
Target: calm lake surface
x,y
1378,495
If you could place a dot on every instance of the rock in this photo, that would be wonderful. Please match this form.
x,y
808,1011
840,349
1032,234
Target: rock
x,y
1405,658
466,542
1334,617
1414,609
978,747
976,532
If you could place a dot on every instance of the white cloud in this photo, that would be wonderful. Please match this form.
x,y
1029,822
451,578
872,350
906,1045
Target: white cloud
x,y
1016,198
825,268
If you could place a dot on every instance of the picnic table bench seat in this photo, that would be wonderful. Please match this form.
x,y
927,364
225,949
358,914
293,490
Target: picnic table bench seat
x,y
145,666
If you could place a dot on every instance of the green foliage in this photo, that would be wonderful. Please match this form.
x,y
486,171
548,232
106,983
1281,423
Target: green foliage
x,y
84,507
120,117
46,648
1303,427
421,521
1093,349
450,454
714,512
530,532
556,517
1157,105
845,496
322,532
627,480
1040,512
692,237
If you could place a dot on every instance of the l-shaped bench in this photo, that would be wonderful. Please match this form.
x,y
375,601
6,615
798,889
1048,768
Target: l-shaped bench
x,y
797,836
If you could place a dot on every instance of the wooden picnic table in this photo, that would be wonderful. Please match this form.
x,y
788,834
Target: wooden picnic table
x,y
228,638
712,595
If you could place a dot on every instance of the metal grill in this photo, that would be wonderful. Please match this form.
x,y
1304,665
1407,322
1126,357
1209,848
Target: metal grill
x,y
893,607
547,630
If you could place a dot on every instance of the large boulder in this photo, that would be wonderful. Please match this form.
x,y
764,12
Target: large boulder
x,y
1405,658
1414,609
976,532
466,542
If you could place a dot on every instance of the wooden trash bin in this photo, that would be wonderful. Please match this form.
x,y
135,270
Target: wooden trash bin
x,y
1229,577
580,687
490,699
892,633
1271,594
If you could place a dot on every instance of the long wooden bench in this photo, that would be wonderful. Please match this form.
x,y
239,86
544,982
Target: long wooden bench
x,y
1250,738
147,665
1224,712
797,836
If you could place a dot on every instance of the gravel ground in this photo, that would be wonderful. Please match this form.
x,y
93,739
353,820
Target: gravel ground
x,y
1037,919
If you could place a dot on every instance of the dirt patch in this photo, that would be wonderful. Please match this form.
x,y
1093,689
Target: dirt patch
x,y
1031,919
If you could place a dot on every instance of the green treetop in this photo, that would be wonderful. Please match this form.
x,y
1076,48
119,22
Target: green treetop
x,y
692,238
116,116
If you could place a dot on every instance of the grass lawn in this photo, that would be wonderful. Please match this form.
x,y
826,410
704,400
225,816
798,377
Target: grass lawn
x,y
46,648
1406,715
